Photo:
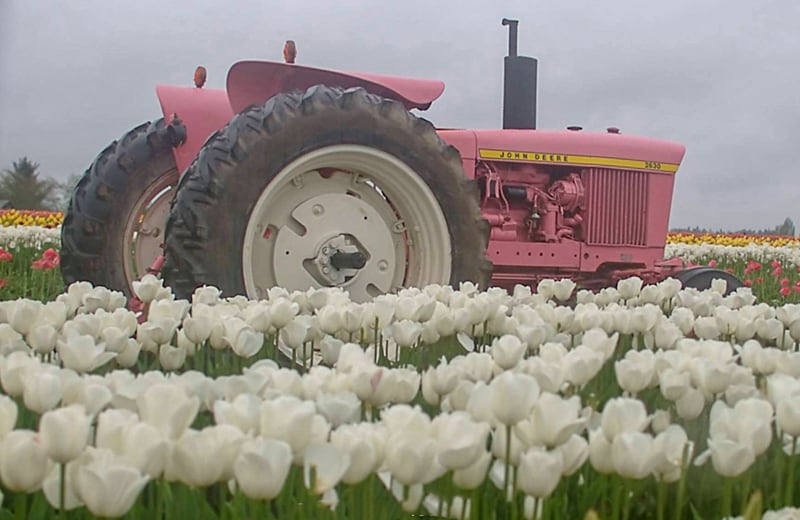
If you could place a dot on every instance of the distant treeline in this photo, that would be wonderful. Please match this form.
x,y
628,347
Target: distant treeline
x,y
785,229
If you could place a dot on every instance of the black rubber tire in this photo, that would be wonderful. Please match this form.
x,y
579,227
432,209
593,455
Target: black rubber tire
x,y
92,234
701,277
209,215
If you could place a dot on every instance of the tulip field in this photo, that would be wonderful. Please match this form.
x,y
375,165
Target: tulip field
x,y
635,402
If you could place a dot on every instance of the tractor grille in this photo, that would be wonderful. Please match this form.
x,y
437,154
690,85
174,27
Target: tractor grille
x,y
616,203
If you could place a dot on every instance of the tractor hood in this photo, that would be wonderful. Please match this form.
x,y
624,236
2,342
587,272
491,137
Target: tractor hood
x,y
254,82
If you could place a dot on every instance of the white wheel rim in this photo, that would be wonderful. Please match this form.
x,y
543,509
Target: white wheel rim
x,y
355,199
144,229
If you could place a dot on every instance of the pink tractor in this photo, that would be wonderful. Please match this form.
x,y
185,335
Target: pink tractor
x,y
302,177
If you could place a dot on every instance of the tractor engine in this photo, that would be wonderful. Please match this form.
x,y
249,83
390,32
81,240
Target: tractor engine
x,y
528,203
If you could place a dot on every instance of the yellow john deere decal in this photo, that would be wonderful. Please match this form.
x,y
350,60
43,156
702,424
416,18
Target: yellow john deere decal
x,y
588,160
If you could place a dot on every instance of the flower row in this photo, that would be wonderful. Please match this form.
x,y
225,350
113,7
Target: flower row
x,y
532,399
46,219
731,239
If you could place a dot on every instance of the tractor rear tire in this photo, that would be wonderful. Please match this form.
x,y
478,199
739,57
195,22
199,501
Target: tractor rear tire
x,y
304,169
102,235
700,278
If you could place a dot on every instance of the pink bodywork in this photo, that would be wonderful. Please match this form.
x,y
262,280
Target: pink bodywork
x,y
595,221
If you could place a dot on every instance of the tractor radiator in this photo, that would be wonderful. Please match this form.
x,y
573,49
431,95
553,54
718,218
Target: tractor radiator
x,y
616,204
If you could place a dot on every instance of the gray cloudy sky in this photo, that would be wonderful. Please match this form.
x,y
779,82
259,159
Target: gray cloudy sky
x,y
720,76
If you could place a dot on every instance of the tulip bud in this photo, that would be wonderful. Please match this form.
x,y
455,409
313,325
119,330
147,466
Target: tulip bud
x,y
539,472
261,467
109,491
64,433
23,461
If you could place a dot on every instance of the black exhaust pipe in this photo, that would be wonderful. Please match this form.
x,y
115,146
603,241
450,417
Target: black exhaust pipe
x,y
519,85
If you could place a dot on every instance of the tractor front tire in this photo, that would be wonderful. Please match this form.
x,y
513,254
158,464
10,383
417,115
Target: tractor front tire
x,y
328,187
104,239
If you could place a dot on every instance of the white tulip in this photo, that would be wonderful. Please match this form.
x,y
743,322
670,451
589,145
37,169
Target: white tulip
x,y
629,287
507,351
339,408
129,354
554,420
539,472
730,458
500,439
473,475
51,486
632,454
409,456
23,461
185,466
562,289
261,467
512,396
168,408
288,419
621,415
673,383
668,451
328,463
712,376
197,329
42,338
41,391
171,358
82,354
24,314
171,311
14,369
282,312
206,295
109,491
147,288
788,415
690,405
359,442
405,332
635,372
330,348
8,415
243,412
460,439
581,365
64,432
574,453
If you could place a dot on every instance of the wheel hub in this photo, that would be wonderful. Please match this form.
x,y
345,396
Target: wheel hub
x,y
339,260
318,253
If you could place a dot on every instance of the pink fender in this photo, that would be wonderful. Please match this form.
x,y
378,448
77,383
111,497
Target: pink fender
x,y
202,111
254,82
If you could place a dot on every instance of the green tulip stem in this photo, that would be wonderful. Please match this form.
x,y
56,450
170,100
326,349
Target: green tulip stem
x,y
62,492
789,493
20,506
617,497
506,476
158,495
748,483
682,482
727,497
662,499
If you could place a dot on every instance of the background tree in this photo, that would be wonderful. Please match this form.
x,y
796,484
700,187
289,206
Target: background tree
x,y
22,186
787,228
64,191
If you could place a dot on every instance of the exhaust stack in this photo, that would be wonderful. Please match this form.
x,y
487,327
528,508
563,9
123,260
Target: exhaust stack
x,y
519,85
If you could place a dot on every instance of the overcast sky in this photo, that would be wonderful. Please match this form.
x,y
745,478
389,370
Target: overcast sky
x,y
720,76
